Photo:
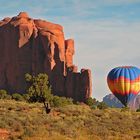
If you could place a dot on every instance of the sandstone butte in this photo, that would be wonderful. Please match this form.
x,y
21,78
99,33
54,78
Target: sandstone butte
x,y
37,46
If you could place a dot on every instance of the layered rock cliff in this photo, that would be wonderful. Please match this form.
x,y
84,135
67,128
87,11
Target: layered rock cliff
x,y
37,46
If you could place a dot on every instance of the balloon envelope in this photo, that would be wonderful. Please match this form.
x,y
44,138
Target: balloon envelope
x,y
124,82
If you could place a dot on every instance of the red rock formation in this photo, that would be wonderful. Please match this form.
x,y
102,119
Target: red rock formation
x,y
4,134
69,45
86,84
35,46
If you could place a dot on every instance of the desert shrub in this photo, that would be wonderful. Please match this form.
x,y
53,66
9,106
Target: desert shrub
x,y
76,102
26,97
93,107
124,109
89,101
102,105
92,102
61,101
4,94
138,110
17,97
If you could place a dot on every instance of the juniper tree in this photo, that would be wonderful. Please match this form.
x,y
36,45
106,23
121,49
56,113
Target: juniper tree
x,y
39,89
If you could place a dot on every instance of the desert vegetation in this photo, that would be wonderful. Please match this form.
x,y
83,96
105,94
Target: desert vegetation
x,y
23,116
28,121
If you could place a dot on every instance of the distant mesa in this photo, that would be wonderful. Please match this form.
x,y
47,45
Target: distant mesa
x,y
112,101
35,46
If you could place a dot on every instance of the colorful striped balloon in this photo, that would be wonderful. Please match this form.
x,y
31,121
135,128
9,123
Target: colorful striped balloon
x,y
124,82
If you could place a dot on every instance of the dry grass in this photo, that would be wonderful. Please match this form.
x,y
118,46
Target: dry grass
x,y
27,121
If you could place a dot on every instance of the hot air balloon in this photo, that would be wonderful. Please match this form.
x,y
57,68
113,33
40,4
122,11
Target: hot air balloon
x,y
124,83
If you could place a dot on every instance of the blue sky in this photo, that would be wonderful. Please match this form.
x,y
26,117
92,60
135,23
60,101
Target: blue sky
x,y
106,32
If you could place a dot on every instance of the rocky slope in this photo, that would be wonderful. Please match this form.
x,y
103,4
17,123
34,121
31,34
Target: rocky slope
x,y
37,46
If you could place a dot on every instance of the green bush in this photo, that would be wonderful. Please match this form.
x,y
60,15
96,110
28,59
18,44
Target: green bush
x,y
26,97
102,105
61,101
91,101
4,94
17,97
